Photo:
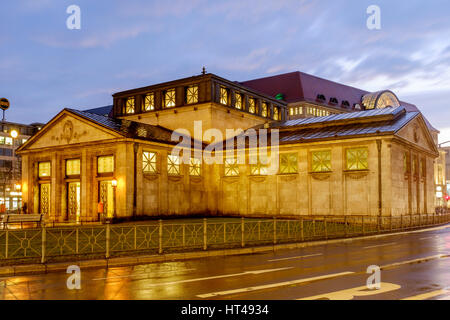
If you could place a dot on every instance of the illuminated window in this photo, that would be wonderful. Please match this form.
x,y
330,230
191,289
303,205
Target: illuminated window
x,y
238,103
149,102
149,162
195,167
288,163
291,111
173,165
169,98
8,141
231,168
105,164
258,169
2,140
251,105
321,161
264,109
276,114
357,159
73,167
224,96
45,169
192,94
130,106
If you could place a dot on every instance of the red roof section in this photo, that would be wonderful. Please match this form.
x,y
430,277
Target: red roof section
x,y
299,86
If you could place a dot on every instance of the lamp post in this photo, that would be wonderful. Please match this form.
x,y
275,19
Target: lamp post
x,y
114,185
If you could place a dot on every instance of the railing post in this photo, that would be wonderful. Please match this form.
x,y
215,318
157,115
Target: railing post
x,y
44,244
76,240
108,234
302,235
325,225
363,229
401,222
184,235
205,244
346,225
434,217
135,237
160,236
314,227
224,232
242,232
7,243
274,230
390,223
379,224
259,230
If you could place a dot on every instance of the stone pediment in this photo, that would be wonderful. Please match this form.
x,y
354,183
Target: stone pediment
x,y
417,132
66,129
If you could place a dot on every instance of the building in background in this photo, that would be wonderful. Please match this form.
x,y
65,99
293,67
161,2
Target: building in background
x,y
12,136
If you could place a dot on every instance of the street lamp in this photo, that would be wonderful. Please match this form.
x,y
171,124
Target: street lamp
x,y
18,187
14,134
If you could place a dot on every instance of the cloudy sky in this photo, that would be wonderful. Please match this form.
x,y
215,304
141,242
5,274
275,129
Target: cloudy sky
x,y
44,66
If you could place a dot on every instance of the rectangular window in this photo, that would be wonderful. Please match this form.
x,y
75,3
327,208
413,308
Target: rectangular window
x,y
195,167
288,163
238,102
251,105
231,168
105,165
8,141
321,161
73,167
130,106
276,114
149,162
224,96
264,109
259,169
149,102
192,94
291,111
45,169
2,140
169,98
173,165
357,159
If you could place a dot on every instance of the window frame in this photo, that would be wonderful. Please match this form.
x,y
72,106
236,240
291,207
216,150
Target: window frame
x,y
106,174
321,152
44,177
195,93
66,166
231,166
173,165
149,107
149,162
289,162
346,154
195,167
127,101
172,100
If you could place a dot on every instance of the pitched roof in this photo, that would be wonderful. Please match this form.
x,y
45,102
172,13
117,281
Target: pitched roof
x,y
104,111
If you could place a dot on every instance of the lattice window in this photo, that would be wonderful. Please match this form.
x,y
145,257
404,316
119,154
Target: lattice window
x,y
251,105
44,198
130,107
195,167
149,102
321,161
231,168
357,159
173,165
192,94
264,109
170,98
238,102
276,114
73,167
288,163
105,164
149,162
45,169
258,169
224,96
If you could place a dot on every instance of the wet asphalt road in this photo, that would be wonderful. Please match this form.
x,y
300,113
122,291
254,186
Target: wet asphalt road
x,y
334,271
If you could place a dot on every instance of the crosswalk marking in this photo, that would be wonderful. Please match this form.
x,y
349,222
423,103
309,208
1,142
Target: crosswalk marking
x,y
273,285
349,294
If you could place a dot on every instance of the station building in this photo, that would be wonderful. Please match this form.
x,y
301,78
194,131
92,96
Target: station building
x,y
341,151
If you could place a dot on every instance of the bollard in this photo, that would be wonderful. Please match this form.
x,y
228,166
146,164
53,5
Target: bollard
x,y
108,234
274,230
242,232
160,237
205,239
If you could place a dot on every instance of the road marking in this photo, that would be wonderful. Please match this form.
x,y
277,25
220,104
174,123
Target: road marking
x,y
297,257
349,294
426,238
380,245
137,275
273,285
428,295
425,259
256,272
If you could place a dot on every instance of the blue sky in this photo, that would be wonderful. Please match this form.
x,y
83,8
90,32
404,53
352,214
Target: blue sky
x,y
125,44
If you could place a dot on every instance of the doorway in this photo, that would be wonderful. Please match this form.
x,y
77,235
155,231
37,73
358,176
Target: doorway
x,y
106,196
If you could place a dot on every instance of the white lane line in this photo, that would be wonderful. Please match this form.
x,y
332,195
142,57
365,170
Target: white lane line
x,y
297,257
273,285
147,274
426,238
425,259
256,272
428,295
381,245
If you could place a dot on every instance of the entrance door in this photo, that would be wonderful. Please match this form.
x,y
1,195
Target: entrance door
x,y
44,198
106,196
74,201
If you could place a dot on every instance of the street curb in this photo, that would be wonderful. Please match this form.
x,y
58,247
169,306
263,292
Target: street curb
x,y
32,269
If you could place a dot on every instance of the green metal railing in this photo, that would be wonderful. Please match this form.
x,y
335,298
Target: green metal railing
x,y
70,243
